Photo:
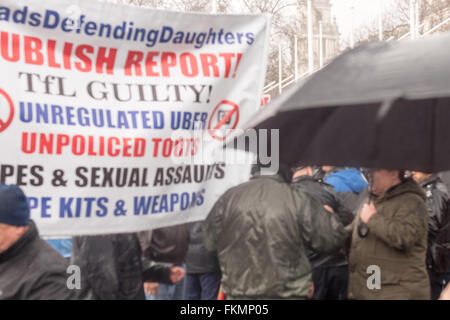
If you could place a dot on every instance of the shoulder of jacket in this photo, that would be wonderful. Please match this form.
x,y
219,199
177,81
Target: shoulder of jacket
x,y
404,200
41,256
410,197
412,202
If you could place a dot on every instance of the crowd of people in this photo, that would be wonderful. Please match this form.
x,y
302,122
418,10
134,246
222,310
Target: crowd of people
x,y
304,232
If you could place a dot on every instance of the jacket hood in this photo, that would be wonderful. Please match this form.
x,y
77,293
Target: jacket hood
x,y
308,180
408,186
276,177
303,179
349,180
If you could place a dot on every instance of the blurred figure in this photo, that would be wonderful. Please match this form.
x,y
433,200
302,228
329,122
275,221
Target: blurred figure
x,y
438,253
349,183
111,267
330,271
202,268
167,245
261,230
390,235
29,267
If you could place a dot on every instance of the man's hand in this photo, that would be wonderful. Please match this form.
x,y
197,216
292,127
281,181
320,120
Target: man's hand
x,y
176,274
368,210
151,288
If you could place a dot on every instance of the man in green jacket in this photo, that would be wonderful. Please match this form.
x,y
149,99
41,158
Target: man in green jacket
x,y
260,230
389,241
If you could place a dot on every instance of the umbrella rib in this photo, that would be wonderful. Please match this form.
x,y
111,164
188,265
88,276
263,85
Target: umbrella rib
x,y
382,111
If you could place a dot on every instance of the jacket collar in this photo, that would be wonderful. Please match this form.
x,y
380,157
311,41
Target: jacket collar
x,y
302,179
273,177
19,245
408,186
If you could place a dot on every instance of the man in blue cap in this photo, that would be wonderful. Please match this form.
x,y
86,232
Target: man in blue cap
x,y
29,267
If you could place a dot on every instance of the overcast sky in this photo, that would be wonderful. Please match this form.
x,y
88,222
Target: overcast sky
x,y
365,11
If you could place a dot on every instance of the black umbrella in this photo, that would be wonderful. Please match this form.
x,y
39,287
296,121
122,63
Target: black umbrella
x,y
381,105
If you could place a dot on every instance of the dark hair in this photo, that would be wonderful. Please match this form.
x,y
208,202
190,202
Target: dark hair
x,y
402,176
283,170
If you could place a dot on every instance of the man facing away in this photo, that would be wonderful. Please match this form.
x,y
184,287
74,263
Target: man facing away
x,y
29,267
261,229
389,241
330,271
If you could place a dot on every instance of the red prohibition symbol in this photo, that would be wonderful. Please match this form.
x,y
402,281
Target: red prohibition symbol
x,y
224,116
10,106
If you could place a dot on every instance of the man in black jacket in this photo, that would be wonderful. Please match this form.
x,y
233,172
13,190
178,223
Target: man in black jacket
x,y
330,271
111,267
29,267
438,253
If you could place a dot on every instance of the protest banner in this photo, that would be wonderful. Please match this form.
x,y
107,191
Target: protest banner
x,y
102,106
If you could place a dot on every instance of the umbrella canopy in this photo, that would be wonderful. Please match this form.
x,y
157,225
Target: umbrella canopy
x,y
381,105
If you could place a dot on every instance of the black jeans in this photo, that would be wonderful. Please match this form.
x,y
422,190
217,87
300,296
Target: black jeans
x,y
330,283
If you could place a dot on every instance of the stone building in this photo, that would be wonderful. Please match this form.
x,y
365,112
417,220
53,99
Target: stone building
x,y
321,12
